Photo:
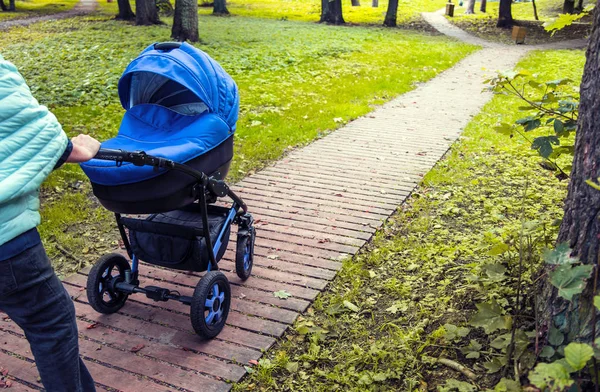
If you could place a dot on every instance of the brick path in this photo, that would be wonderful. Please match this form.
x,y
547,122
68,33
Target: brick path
x,y
313,208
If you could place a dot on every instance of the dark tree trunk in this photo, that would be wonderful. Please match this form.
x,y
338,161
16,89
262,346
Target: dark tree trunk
x,y
185,21
355,3
331,12
535,14
470,7
11,5
568,6
505,18
220,8
391,14
375,3
580,227
3,6
125,12
483,6
579,7
146,13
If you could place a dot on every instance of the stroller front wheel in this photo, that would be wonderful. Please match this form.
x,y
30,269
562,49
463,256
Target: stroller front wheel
x,y
210,304
244,257
104,275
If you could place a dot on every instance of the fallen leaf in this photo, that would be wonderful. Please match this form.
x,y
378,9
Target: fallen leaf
x,y
137,348
282,294
253,362
272,257
324,240
92,326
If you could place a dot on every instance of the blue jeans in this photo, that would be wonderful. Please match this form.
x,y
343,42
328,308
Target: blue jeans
x,y
33,296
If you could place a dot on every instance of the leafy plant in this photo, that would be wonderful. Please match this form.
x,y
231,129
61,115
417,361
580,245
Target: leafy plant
x,y
552,111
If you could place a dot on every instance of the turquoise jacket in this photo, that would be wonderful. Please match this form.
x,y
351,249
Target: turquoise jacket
x,y
31,142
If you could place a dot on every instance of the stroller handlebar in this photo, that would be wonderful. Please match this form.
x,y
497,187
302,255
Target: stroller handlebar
x,y
140,158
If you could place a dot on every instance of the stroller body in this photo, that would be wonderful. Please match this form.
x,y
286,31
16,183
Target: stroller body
x,y
169,161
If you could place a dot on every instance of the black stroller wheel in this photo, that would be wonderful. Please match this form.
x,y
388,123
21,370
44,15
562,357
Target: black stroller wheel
x,y
102,295
210,304
244,257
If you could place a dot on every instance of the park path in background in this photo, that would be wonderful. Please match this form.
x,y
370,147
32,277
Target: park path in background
x,y
81,8
313,208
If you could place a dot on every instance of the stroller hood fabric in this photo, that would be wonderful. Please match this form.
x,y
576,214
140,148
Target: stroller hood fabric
x,y
187,66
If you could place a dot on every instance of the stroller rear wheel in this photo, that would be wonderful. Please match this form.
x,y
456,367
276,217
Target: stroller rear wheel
x,y
244,257
210,304
104,275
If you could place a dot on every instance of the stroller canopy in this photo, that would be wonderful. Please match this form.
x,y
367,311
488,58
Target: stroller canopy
x,y
181,77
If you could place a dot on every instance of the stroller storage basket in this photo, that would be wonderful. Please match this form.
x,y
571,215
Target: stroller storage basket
x,y
175,239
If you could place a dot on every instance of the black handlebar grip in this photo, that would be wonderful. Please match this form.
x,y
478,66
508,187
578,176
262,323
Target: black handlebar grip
x,y
166,46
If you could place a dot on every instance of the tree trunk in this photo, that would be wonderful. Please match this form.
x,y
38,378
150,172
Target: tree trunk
x,y
125,12
580,226
579,7
535,14
146,13
220,8
331,12
375,3
568,6
3,6
355,3
11,5
185,21
505,18
391,14
470,7
483,5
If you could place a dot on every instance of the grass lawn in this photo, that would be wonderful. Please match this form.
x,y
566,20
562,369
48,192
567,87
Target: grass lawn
x,y
379,327
484,24
298,81
310,10
29,8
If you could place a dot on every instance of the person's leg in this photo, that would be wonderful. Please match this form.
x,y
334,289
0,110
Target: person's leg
x,y
33,296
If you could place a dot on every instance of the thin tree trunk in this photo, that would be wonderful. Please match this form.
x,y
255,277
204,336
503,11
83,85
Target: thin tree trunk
x,y
568,6
483,6
535,14
3,6
331,12
146,13
580,226
220,8
355,3
470,7
579,7
185,21
505,18
375,3
125,12
11,5
391,14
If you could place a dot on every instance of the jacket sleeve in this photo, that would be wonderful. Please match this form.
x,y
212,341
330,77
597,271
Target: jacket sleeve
x,y
31,138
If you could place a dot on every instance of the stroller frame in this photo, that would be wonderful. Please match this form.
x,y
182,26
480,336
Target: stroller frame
x,y
212,293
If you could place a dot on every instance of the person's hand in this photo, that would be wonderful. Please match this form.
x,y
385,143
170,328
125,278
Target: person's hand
x,y
84,148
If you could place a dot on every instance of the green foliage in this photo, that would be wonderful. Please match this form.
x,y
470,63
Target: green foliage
x,y
32,8
578,354
490,317
552,111
570,280
564,20
553,376
560,255
453,385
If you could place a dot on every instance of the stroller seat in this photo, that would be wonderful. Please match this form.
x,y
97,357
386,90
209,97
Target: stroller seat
x,y
162,132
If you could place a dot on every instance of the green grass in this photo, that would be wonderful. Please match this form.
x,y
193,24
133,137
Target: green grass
x,y
296,79
29,8
426,267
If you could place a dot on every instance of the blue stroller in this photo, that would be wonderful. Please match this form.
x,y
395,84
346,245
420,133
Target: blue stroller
x,y
169,161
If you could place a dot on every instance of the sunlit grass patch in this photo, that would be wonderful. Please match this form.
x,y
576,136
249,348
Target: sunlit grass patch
x,y
28,8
